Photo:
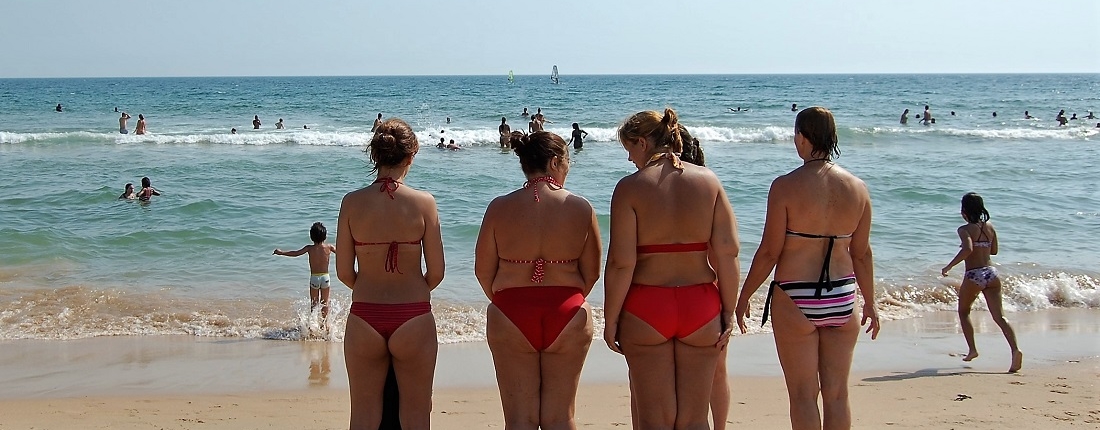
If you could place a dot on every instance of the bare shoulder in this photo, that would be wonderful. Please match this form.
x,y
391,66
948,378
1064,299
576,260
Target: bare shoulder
x,y
578,202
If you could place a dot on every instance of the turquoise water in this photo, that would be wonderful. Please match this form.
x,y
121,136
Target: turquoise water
x,y
75,262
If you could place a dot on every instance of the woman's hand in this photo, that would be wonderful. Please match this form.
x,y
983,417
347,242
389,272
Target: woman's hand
x,y
944,270
611,337
742,313
727,331
869,312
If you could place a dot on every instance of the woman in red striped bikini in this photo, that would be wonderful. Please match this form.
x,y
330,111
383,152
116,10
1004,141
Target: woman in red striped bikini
x,y
537,257
671,287
390,226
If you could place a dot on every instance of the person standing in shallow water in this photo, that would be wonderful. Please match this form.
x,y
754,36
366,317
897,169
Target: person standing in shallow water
x,y
578,137
817,238
979,242
256,122
505,132
905,117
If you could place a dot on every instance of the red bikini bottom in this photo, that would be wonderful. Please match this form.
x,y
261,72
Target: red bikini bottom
x,y
539,312
675,312
385,318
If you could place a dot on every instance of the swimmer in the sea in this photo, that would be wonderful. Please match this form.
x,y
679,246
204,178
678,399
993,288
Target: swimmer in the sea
x,y
147,191
905,117
140,129
128,194
279,125
256,122
1090,116
1027,115
794,107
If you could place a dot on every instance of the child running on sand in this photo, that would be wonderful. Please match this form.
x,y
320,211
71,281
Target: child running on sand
x,y
979,242
319,254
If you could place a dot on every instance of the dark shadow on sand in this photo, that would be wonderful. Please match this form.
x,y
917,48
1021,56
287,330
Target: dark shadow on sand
x,y
928,373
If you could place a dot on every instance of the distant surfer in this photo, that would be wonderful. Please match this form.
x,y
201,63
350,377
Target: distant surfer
x,y
140,129
905,117
1027,115
256,122
122,123
279,125
505,132
58,108
377,122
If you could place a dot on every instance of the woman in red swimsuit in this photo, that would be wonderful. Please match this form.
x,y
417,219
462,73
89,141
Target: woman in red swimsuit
x,y
817,238
537,257
390,225
670,287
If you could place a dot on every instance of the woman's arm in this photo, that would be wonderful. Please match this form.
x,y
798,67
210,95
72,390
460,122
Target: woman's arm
x,y
993,239
622,256
345,261
724,248
432,244
864,266
964,250
589,263
486,256
767,255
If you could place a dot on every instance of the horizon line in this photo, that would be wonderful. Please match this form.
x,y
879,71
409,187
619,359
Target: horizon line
x,y
566,75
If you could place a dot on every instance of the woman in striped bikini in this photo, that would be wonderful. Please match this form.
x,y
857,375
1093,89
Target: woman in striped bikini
x,y
537,257
390,226
818,224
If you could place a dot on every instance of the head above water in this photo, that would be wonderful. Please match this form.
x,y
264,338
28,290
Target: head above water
x,y
662,131
538,150
973,208
146,183
816,125
393,144
318,233
129,186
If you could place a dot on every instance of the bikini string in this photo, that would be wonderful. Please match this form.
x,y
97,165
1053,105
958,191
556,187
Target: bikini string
x,y
823,282
391,259
532,184
389,185
768,302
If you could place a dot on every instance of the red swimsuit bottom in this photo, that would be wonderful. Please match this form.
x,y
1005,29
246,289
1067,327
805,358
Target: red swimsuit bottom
x,y
386,318
675,312
540,313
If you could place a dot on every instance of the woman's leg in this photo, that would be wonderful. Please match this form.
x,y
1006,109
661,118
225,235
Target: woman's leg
x,y
652,364
561,372
720,393
413,347
992,293
517,366
836,346
696,359
968,292
796,341
367,360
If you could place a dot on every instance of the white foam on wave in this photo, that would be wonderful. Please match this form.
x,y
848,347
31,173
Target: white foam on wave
x,y
1070,133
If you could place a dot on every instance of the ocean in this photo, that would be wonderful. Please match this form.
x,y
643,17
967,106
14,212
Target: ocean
x,y
77,263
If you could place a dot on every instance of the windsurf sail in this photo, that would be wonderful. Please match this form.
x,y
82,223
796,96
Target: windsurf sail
x,y
554,75
511,77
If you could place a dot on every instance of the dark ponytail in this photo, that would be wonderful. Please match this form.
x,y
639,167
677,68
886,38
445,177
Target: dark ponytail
x,y
973,208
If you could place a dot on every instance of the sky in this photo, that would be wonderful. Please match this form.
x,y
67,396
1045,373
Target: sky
x,y
95,38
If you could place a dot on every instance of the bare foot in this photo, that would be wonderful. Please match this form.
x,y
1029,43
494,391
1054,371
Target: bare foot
x,y
972,355
1017,362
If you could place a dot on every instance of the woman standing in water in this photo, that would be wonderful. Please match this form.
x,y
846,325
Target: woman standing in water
x,y
979,242
390,226
670,286
537,257
818,225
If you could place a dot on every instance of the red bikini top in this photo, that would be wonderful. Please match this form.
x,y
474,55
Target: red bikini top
x,y
540,263
389,185
391,253
672,247
532,184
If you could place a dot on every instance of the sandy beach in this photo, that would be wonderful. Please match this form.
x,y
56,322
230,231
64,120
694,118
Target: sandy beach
x,y
911,377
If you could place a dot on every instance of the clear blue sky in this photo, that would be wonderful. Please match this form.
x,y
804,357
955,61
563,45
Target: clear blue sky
x,y
76,38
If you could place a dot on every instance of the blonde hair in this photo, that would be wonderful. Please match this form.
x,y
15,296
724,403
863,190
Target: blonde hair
x,y
662,130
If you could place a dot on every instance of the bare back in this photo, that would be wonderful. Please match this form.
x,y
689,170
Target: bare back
x,y
560,226
319,257
369,222
662,198
819,199
981,238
